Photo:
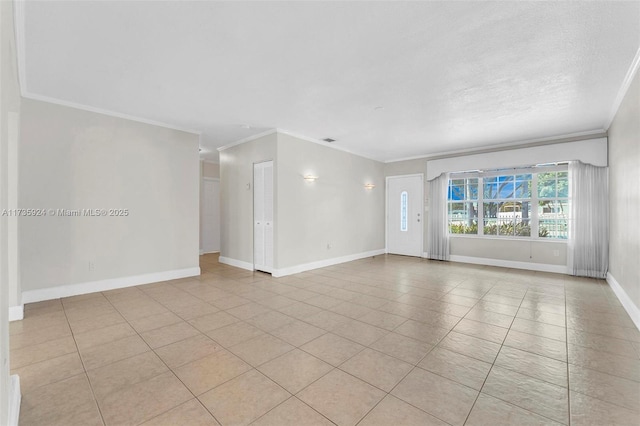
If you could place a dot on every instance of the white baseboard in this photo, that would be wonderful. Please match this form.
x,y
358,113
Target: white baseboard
x,y
324,263
209,252
15,398
57,292
16,313
542,267
237,263
624,298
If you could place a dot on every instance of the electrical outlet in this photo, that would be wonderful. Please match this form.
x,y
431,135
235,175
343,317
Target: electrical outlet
x,y
556,253
92,266
328,246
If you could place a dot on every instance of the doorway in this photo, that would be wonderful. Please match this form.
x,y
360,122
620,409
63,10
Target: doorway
x,y
210,215
405,214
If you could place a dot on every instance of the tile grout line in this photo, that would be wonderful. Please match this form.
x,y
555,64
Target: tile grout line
x,y
160,358
494,360
84,367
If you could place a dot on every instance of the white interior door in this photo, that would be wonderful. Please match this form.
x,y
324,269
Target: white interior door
x,y
405,215
263,216
211,215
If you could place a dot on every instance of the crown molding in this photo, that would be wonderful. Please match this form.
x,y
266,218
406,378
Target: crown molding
x,y
571,137
107,112
628,78
248,139
19,24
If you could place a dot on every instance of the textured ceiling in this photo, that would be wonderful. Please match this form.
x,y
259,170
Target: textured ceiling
x,y
387,80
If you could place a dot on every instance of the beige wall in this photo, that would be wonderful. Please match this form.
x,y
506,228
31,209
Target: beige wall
x,y
236,195
335,211
334,216
210,170
624,195
74,159
539,252
207,170
9,110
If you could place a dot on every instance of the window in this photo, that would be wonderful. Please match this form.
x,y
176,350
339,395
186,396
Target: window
x,y
463,206
501,203
404,201
553,204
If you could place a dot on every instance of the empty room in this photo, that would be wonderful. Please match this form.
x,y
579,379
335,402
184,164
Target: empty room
x,y
319,213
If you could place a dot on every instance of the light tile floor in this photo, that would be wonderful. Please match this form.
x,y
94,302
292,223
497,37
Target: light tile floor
x,y
388,340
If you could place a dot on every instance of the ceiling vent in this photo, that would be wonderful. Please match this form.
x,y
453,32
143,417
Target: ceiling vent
x,y
329,140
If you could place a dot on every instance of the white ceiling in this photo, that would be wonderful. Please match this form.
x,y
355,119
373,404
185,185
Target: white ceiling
x,y
387,80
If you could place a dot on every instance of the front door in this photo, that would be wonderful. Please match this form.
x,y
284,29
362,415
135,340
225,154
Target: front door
x,y
405,215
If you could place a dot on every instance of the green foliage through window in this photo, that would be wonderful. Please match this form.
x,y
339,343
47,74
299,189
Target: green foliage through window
x,y
518,204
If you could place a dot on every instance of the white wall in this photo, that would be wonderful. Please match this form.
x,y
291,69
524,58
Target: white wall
x,y
74,159
236,193
9,290
624,194
333,217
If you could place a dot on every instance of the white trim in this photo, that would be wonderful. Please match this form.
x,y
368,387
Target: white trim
x,y
208,252
18,22
624,299
324,263
628,78
75,105
16,313
210,178
571,137
541,267
38,295
592,151
14,401
237,263
248,139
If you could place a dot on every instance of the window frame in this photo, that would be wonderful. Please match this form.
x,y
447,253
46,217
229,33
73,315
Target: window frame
x,y
534,200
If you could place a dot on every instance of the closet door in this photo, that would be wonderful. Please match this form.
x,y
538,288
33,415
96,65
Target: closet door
x,y
263,216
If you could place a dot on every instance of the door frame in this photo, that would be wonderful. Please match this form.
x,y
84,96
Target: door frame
x,y
386,210
210,179
253,217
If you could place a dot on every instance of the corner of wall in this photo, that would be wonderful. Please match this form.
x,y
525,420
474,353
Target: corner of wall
x,y
625,300
15,397
16,313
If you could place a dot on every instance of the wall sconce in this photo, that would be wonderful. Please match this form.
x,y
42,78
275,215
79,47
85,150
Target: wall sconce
x,y
369,185
310,178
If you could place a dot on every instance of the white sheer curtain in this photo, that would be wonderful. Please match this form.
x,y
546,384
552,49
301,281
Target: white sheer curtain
x,y
589,231
437,232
